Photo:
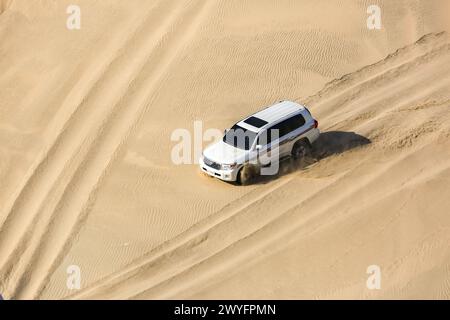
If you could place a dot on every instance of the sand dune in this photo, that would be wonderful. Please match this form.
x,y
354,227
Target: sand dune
x,y
358,183
86,175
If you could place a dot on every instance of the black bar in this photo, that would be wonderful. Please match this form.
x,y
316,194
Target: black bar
x,y
280,309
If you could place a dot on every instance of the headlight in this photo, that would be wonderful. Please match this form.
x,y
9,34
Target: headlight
x,y
228,166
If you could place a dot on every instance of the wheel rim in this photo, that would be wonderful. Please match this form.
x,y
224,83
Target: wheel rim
x,y
299,152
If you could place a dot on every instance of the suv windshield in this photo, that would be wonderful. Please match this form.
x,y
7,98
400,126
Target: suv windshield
x,y
240,137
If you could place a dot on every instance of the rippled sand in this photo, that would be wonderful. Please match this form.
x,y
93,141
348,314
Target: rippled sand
x,y
86,176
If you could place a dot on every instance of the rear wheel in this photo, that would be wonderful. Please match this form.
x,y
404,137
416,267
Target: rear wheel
x,y
301,150
247,175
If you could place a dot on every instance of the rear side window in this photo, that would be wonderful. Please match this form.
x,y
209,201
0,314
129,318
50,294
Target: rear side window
x,y
289,125
296,122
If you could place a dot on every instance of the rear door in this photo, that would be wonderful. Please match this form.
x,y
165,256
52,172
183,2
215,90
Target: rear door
x,y
283,129
297,126
280,138
290,130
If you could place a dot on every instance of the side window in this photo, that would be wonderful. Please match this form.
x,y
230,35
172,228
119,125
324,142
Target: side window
x,y
296,122
282,127
291,124
265,137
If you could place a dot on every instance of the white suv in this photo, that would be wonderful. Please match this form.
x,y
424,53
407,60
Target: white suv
x,y
284,129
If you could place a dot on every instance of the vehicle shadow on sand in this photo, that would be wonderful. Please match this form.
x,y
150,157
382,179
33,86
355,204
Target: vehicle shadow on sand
x,y
328,144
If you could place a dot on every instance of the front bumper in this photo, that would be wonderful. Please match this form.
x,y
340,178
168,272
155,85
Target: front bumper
x,y
225,175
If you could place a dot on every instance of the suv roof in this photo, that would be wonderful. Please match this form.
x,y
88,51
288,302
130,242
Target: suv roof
x,y
271,114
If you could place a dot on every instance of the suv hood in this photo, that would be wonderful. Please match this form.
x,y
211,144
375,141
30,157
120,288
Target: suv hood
x,y
224,153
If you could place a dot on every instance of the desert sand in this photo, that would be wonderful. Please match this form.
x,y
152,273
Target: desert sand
x,y
87,179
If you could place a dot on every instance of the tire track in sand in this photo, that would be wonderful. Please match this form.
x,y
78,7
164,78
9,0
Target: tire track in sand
x,y
67,202
66,119
141,279
67,149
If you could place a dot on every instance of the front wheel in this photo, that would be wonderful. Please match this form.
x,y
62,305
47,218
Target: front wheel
x,y
247,175
301,150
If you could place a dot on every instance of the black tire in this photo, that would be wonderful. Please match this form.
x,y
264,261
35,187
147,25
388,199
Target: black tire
x,y
247,175
301,150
